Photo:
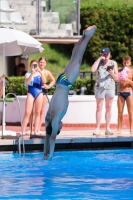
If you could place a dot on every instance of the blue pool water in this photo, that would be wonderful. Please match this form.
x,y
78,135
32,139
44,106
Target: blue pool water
x,y
81,175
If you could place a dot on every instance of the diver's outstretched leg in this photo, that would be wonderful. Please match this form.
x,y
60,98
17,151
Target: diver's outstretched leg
x,y
73,67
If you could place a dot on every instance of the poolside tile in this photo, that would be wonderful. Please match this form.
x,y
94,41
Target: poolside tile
x,y
75,134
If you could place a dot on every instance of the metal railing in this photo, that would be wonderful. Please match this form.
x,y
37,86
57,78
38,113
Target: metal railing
x,y
13,137
92,76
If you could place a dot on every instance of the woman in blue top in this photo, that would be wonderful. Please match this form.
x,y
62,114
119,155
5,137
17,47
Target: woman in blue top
x,y
34,80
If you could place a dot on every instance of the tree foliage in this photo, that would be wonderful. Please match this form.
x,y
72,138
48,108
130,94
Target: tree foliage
x,y
114,30
16,86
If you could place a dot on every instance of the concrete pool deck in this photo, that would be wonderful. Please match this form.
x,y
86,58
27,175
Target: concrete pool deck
x,y
69,138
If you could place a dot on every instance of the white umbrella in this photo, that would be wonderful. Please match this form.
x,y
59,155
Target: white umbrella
x,y
14,42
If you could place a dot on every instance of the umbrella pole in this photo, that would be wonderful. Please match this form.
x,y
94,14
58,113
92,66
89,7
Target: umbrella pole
x,y
3,116
3,80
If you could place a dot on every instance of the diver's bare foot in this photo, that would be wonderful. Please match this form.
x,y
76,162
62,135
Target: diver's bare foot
x,y
90,27
117,132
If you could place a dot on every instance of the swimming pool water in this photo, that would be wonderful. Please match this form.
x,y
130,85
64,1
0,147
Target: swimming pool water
x,y
81,175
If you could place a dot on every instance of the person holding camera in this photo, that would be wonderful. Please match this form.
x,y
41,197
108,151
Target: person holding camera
x,y
42,62
34,81
106,74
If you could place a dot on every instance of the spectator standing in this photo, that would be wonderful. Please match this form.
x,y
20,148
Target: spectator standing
x,y
34,81
125,94
104,87
15,67
21,69
48,76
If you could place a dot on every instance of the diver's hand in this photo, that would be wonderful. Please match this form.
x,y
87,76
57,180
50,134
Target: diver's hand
x,y
49,158
45,156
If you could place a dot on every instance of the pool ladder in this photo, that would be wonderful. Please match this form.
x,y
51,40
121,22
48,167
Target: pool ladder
x,y
18,138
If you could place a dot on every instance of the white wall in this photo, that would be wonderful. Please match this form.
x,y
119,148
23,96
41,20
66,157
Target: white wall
x,y
81,109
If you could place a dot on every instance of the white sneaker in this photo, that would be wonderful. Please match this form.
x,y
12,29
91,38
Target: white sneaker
x,y
109,132
29,131
96,132
37,133
40,132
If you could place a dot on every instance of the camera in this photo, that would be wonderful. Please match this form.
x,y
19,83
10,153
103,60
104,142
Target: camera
x,y
110,67
35,66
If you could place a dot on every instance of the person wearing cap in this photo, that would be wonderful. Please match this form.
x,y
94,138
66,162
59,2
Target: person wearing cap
x,y
106,74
